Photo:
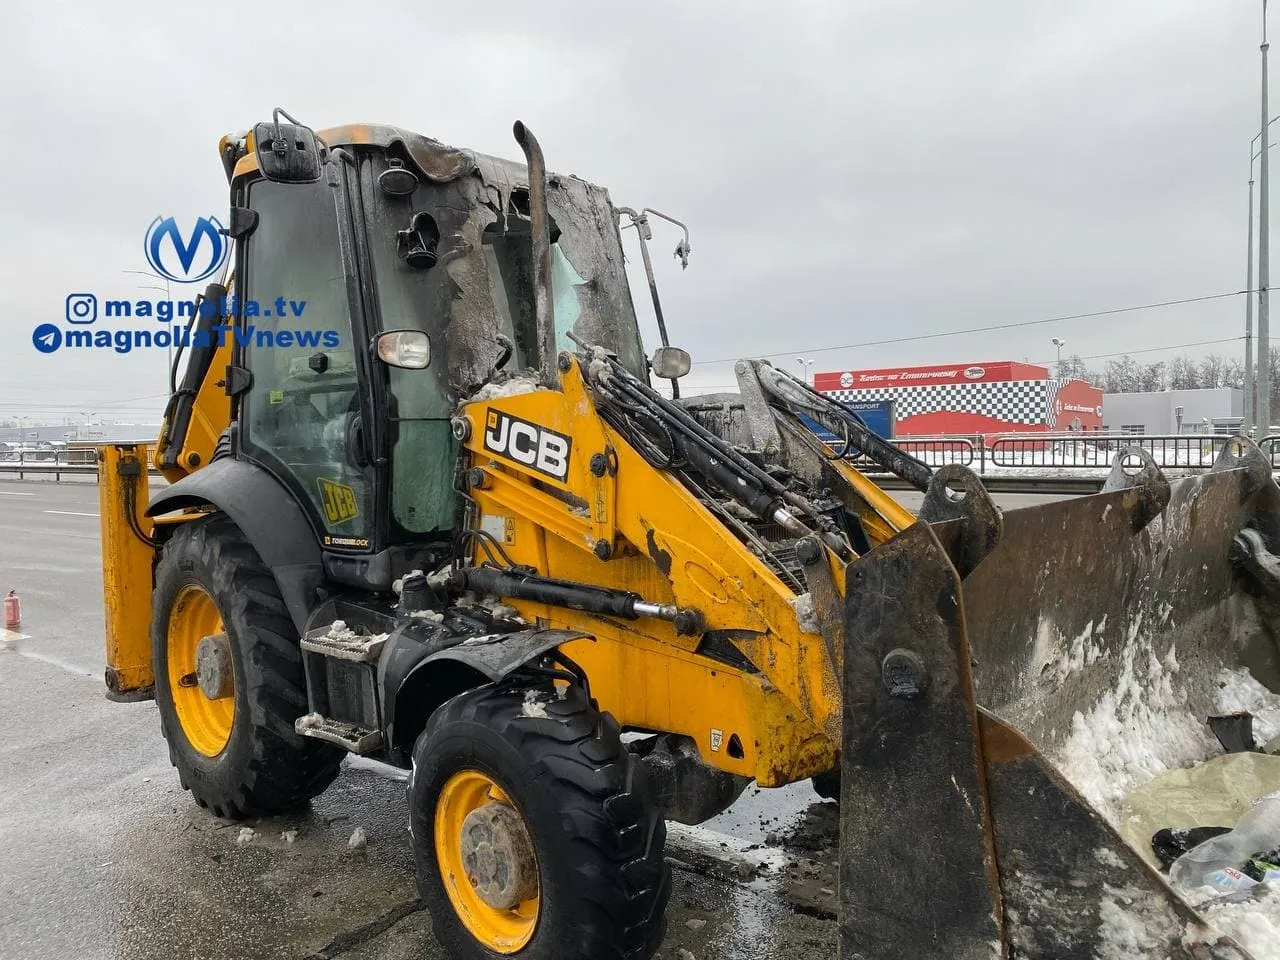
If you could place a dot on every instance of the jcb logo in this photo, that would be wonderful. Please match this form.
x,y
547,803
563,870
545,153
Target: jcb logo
x,y
534,446
338,500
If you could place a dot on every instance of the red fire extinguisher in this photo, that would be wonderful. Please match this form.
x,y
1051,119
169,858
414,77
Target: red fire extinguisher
x,y
12,610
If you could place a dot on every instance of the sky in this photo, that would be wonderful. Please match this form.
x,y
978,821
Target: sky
x,y
852,172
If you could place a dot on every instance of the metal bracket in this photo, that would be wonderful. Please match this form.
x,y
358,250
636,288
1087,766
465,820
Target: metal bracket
x,y
957,494
1149,482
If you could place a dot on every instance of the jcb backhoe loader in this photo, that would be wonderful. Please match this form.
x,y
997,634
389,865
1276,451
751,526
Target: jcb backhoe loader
x,y
472,540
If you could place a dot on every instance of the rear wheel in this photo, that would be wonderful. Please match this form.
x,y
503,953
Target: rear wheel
x,y
229,679
533,832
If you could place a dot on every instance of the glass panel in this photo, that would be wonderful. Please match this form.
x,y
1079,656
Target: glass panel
x,y
299,413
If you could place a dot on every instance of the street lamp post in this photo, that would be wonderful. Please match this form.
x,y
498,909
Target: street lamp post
x,y
1059,343
1250,371
1264,254
168,293
805,365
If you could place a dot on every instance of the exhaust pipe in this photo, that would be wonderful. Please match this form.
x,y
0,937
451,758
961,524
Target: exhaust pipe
x,y
540,228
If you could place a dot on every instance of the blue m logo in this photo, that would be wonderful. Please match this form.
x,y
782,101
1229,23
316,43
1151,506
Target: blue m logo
x,y
177,259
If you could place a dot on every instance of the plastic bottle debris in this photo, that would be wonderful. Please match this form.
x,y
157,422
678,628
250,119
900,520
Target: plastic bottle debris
x,y
358,839
1173,842
1221,866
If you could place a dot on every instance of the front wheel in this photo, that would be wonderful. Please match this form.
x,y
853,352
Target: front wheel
x,y
533,831
229,678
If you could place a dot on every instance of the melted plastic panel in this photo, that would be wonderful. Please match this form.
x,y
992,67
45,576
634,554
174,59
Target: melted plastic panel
x,y
481,283
491,281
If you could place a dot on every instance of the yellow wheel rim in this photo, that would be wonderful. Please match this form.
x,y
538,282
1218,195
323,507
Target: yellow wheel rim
x,y
500,930
206,723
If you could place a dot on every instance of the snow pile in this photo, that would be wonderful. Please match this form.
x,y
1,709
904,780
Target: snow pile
x,y
514,387
1140,729
1132,920
495,606
1056,661
246,835
535,704
427,615
288,836
358,840
1255,923
338,630
806,616
397,586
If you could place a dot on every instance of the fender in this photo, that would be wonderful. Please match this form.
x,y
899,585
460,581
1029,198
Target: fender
x,y
269,517
413,688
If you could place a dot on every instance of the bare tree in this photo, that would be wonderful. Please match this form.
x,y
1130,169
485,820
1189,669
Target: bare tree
x,y
1072,368
1122,375
1183,374
1151,377
1233,373
1211,370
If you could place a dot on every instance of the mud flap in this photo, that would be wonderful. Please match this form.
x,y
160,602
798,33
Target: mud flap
x,y
958,837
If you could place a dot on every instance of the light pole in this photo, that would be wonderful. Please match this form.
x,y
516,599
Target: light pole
x,y
1249,399
1250,373
1059,343
169,379
1264,255
805,365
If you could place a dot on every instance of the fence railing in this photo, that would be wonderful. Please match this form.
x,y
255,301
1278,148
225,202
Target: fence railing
x,y
77,461
1069,452
1077,451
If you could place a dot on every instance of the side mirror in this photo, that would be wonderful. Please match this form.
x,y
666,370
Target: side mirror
x,y
406,349
670,363
286,152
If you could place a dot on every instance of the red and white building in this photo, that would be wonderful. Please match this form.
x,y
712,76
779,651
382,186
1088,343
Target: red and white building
x,y
975,398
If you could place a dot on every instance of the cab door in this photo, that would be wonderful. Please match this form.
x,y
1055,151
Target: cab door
x,y
304,415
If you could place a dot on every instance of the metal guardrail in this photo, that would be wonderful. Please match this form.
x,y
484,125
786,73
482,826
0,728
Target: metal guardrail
x,y
81,461
935,451
1080,451
1069,452
1064,452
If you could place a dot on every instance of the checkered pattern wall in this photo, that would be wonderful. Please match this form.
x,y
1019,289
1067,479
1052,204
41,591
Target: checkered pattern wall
x,y
1013,401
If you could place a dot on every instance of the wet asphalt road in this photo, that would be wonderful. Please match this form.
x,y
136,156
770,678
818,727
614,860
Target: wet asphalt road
x,y
102,855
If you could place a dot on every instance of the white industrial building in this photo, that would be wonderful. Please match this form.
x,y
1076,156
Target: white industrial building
x,y
1219,410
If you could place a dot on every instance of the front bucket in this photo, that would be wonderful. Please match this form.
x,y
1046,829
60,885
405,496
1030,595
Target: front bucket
x,y
1103,628
959,839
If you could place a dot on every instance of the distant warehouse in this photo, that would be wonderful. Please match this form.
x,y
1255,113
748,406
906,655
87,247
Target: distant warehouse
x,y
1216,410
968,399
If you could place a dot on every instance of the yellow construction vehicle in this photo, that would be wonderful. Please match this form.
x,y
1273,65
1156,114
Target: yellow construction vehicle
x,y
437,514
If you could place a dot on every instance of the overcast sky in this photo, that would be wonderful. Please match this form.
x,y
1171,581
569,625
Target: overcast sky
x,y
852,171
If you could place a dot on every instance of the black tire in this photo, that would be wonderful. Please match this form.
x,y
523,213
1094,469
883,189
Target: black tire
x,y
265,767
597,836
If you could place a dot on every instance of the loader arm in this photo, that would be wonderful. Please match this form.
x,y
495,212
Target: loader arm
x,y
739,664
